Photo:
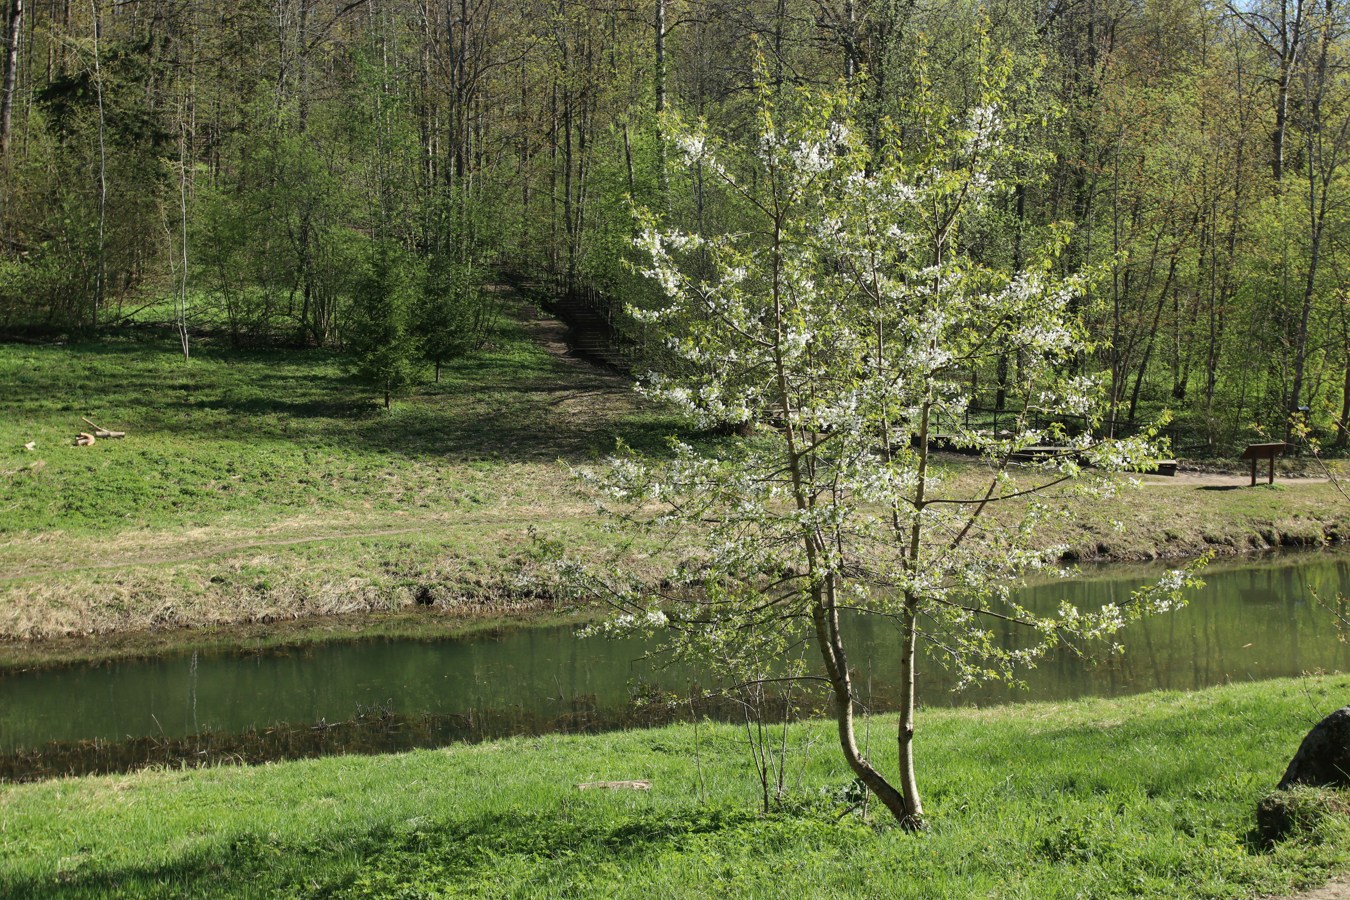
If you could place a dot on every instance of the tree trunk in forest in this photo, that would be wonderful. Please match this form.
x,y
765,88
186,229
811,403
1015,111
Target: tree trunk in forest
x,y
309,316
1291,39
1343,424
1323,160
850,40
100,276
524,165
11,74
660,85
567,112
1283,38
1143,364
553,179
779,26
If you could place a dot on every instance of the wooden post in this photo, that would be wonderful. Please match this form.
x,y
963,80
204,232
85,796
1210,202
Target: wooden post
x,y
1272,469
1253,471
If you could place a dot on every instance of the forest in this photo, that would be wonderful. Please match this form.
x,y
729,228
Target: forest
x,y
349,173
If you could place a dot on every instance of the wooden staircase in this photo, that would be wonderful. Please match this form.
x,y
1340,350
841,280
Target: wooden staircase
x,y
590,335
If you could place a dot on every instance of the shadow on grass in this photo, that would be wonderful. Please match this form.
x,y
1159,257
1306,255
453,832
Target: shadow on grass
x,y
1222,487
478,851
336,408
513,405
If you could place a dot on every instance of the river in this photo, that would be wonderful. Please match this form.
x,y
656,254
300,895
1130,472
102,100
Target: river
x,y
1254,619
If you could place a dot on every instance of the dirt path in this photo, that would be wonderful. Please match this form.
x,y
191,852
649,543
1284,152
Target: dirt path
x,y
1219,479
217,549
551,334
1339,889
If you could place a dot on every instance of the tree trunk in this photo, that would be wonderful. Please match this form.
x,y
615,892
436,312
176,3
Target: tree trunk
x,y
1301,338
11,74
824,609
850,41
836,668
100,278
1322,163
909,784
660,79
1001,373
1343,426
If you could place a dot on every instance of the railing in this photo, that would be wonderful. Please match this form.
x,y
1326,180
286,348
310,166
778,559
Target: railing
x,y
1008,419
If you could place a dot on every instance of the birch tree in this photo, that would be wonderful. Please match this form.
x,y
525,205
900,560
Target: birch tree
x,y
842,318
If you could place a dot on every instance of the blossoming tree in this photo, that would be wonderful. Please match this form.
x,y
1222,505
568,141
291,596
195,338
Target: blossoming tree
x,y
842,321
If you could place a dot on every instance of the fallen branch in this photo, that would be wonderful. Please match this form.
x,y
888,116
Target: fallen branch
x,y
615,786
100,431
84,439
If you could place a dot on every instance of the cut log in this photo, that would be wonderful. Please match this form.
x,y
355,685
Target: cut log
x,y
615,786
100,431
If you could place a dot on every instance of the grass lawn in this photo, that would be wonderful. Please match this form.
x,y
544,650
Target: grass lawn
x,y
259,485
1150,795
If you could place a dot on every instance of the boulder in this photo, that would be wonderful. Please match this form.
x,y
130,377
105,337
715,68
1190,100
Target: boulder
x,y
1323,759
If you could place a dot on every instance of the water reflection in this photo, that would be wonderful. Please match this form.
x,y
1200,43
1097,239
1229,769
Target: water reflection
x,y
1252,621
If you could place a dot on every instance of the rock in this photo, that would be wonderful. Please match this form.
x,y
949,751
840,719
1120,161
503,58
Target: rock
x,y
1323,759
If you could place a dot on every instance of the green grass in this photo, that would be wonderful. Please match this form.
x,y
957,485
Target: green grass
x,y
244,436
259,486
1150,795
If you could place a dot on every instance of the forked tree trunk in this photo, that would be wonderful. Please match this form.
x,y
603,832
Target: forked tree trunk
x,y
824,609
826,619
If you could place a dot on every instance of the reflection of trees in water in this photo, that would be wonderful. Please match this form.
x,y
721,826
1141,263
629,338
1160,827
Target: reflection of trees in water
x,y
1257,622
539,673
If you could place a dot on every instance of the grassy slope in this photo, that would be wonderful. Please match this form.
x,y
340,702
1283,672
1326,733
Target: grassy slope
x,y
256,487
1144,796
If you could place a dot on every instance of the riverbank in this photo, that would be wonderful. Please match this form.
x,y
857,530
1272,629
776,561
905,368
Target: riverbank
x,y
257,488
1151,795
